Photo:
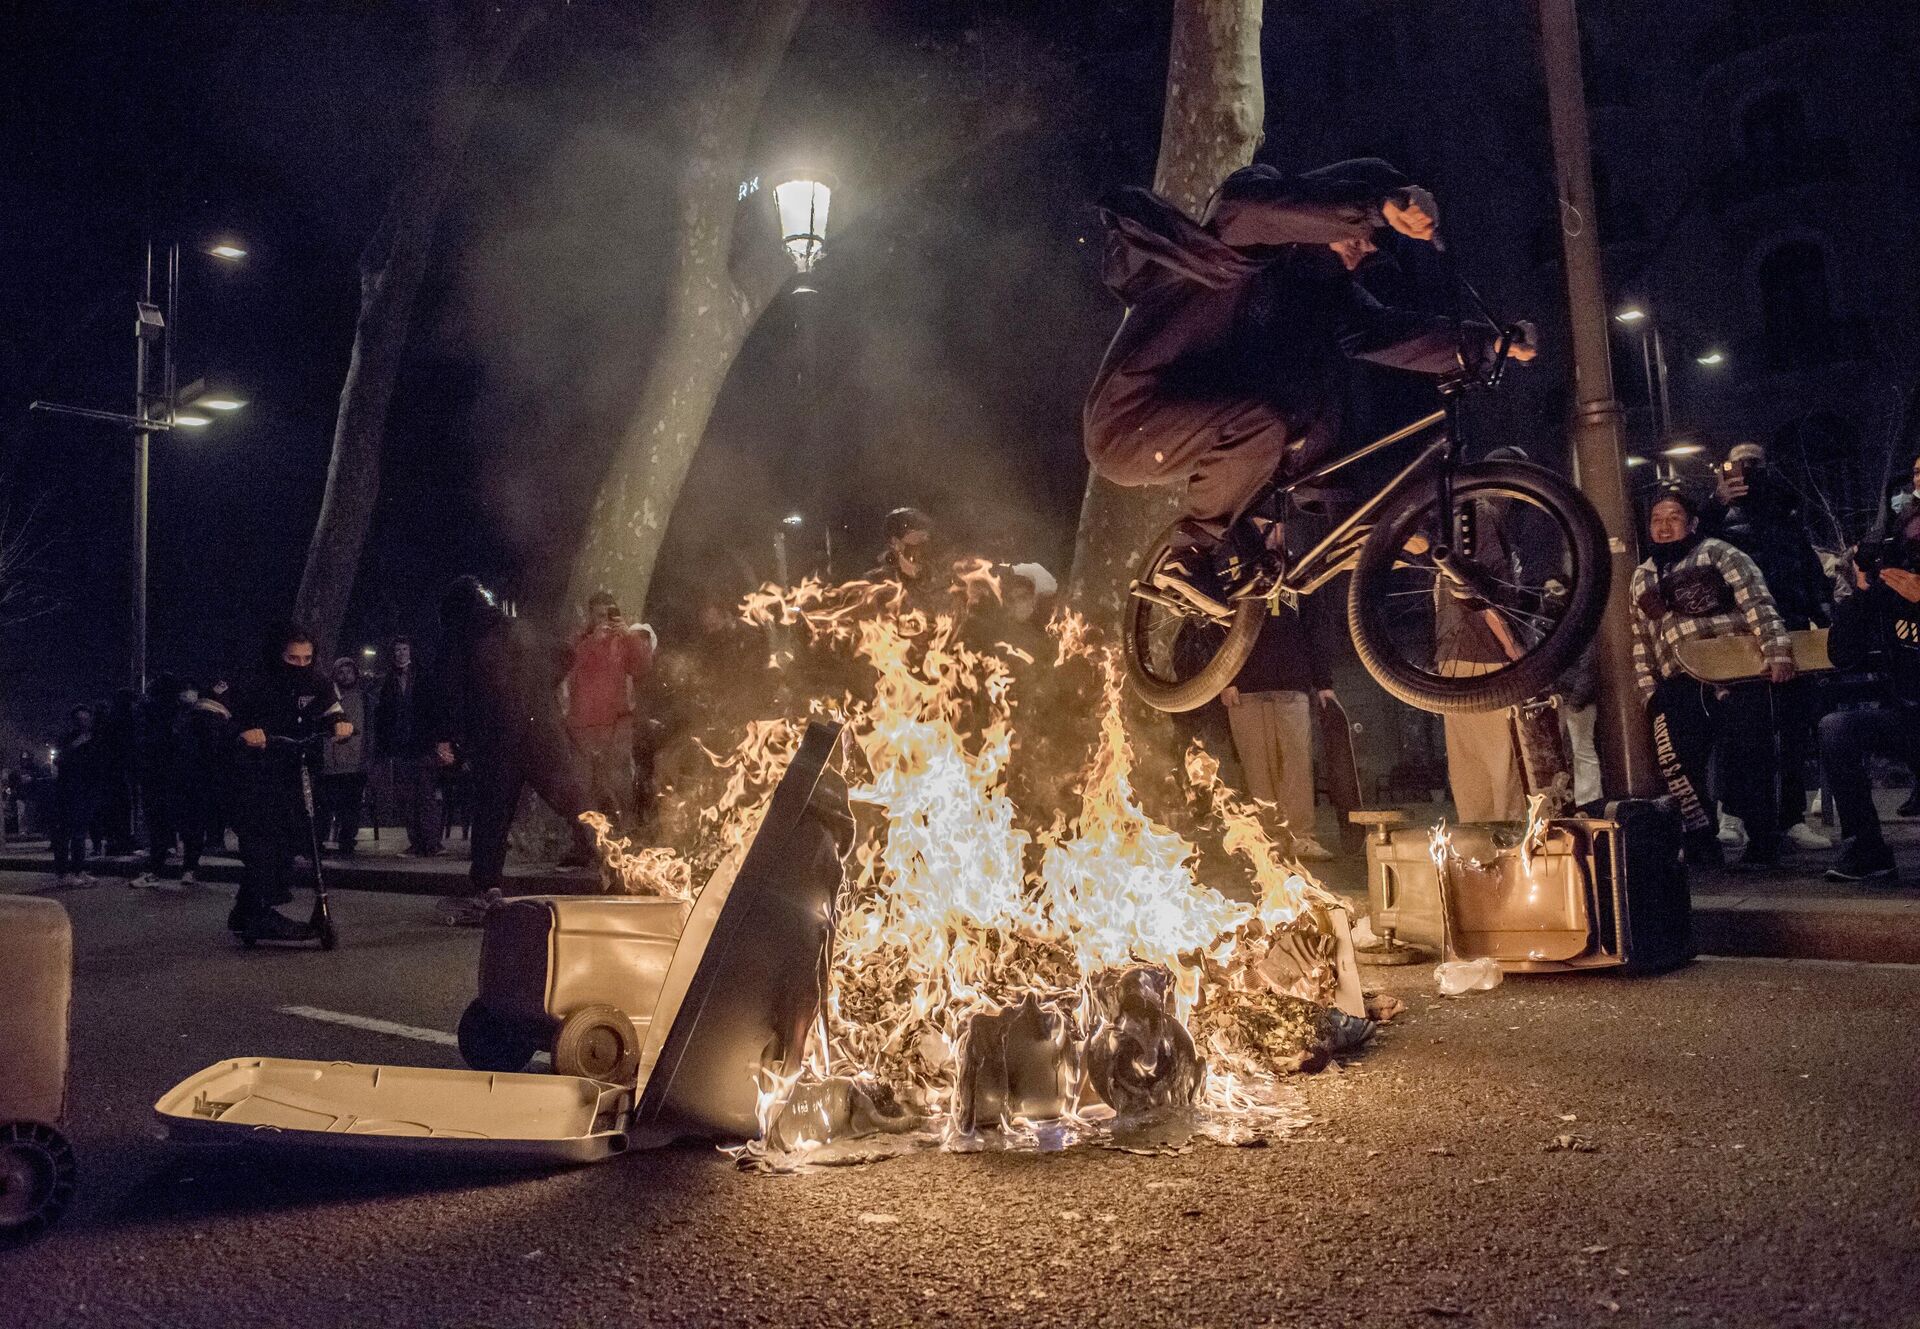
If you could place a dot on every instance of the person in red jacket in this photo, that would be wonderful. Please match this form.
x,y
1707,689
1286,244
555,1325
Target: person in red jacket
x,y
611,660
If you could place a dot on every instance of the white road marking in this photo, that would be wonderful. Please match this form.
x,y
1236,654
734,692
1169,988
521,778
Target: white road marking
x,y
367,1022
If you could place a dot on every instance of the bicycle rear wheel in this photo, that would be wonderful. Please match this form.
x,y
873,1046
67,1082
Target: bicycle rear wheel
x,y
1536,552
1181,659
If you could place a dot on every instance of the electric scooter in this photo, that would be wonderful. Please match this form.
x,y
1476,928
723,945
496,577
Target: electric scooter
x,y
319,926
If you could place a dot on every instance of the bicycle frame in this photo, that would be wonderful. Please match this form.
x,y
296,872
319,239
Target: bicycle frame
x,y
1336,553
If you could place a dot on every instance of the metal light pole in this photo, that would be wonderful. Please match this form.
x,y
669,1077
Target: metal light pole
x,y
1625,745
153,412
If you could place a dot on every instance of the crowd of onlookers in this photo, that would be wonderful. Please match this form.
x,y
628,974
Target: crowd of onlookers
x,y
1740,564
501,706
592,722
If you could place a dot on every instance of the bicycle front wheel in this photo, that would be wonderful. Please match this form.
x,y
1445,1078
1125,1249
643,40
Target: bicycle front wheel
x,y
1519,605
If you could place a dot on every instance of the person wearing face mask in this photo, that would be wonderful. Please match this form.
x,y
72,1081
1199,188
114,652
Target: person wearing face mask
x,y
1693,587
1229,364
289,698
906,561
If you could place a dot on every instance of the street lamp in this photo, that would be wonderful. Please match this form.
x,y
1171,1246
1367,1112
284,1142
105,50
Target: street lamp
x,y
801,200
155,412
1713,357
1653,363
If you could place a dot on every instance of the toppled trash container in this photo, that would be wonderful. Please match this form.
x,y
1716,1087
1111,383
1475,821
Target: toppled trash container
x,y
1588,893
36,1163
739,990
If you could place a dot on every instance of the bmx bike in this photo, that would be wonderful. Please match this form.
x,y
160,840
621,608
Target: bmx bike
x,y
1489,537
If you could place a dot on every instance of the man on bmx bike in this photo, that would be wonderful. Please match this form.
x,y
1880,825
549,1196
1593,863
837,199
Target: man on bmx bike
x,y
1228,372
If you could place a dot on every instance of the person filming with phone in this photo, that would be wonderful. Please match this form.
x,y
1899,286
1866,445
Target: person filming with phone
x,y
1876,628
611,659
1756,511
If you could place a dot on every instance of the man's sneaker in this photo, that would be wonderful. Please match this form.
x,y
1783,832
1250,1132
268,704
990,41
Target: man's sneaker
x,y
1733,831
85,878
146,881
68,879
1309,850
1802,836
1860,862
272,925
188,880
165,887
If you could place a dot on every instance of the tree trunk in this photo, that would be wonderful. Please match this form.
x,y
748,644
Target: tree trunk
x,y
710,310
1215,110
391,269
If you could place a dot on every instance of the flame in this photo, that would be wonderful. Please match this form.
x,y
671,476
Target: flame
x,y
956,902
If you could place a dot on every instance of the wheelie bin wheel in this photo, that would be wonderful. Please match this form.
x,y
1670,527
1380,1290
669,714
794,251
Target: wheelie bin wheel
x,y
488,1043
36,1180
597,1042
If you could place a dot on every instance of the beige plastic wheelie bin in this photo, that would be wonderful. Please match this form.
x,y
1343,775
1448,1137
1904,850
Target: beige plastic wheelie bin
x,y
36,989
580,975
714,995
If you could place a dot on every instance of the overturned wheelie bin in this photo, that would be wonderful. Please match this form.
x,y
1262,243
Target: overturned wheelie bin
x,y
708,1003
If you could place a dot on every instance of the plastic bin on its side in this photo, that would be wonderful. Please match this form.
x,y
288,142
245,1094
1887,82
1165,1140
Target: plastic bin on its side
x,y
744,986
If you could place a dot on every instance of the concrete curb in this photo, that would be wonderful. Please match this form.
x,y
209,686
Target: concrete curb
x,y
1863,929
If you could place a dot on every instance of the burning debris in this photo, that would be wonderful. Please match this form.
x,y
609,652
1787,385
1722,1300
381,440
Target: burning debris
x,y
990,974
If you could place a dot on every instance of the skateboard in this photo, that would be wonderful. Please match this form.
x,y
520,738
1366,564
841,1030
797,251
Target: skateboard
x,y
1341,772
1735,659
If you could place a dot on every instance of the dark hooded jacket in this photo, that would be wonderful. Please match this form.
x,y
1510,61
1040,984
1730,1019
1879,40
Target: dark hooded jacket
x,y
1251,305
1767,527
498,678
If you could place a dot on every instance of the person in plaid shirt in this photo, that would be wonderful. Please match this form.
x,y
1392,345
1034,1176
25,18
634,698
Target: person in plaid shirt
x,y
1693,587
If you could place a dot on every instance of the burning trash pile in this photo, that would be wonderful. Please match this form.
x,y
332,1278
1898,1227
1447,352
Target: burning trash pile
x,y
996,981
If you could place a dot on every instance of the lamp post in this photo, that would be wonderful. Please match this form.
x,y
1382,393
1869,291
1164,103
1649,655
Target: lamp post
x,y
154,330
1653,364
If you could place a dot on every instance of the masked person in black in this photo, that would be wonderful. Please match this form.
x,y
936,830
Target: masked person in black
x,y
1230,362
501,706
1878,628
1756,511
289,698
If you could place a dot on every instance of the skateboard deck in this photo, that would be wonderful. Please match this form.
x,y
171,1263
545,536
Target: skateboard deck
x,y
1736,659
1341,772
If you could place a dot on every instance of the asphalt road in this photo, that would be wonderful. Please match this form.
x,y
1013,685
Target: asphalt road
x,y
1756,1164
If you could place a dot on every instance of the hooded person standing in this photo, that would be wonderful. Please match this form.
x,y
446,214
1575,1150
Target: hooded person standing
x,y
289,698
500,681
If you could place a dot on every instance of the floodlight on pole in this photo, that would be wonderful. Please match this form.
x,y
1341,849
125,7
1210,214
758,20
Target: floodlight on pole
x,y
801,201
1713,357
228,250
1630,315
791,519
1683,450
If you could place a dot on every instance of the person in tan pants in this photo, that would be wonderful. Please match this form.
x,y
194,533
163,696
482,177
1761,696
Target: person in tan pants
x,y
1270,707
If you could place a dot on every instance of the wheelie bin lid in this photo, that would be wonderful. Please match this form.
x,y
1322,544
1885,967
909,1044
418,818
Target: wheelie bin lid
x,y
747,973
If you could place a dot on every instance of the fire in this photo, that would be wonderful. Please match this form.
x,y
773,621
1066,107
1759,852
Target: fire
x,y
959,909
